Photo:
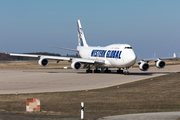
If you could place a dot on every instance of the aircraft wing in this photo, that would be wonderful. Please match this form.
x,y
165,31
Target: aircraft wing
x,y
41,56
82,60
156,59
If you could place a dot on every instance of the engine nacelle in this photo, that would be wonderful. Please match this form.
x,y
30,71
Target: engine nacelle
x,y
43,62
160,64
76,65
143,66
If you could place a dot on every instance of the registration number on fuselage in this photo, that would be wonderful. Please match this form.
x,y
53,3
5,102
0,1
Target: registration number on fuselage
x,y
107,53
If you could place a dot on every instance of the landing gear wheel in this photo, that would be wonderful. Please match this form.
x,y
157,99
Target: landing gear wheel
x,y
120,71
88,71
96,71
107,71
126,73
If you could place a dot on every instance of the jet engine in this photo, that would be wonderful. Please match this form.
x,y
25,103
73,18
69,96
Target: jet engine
x,y
76,65
43,62
160,64
143,66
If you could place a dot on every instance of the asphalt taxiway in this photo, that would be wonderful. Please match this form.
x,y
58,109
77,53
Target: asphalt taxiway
x,y
54,80
145,116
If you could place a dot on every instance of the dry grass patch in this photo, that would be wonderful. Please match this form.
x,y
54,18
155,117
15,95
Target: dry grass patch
x,y
35,65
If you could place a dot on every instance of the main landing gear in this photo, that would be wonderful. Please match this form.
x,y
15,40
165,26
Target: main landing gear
x,y
120,71
89,69
107,71
124,71
97,71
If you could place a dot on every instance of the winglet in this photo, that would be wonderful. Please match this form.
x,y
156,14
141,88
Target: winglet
x,y
5,52
174,55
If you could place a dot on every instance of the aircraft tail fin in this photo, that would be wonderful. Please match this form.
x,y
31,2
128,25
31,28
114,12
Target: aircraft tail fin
x,y
81,37
174,55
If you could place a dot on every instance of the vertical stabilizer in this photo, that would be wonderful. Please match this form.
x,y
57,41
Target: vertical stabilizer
x,y
81,37
174,55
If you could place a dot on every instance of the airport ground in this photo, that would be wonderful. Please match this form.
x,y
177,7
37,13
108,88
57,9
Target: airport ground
x,y
157,94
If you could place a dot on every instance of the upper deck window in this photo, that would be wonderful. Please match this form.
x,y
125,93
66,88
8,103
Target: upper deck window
x,y
128,48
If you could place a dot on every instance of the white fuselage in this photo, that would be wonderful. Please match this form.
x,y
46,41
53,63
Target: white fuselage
x,y
115,55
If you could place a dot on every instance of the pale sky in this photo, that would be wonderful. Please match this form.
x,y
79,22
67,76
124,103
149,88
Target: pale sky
x,y
149,26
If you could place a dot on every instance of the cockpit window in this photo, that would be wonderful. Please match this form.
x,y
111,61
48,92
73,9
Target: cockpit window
x,y
128,48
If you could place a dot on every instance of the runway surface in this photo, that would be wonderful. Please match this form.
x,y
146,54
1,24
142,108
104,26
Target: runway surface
x,y
51,80
145,116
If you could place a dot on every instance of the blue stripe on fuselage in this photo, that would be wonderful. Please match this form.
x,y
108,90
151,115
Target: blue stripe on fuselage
x,y
109,54
82,42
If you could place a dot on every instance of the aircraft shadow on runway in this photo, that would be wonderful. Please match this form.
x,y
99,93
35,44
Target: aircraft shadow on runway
x,y
148,73
131,73
84,72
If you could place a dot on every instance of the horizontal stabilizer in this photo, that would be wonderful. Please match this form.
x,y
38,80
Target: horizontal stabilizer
x,y
5,52
64,48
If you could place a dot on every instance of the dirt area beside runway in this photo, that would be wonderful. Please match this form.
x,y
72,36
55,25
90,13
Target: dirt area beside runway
x,y
35,65
159,94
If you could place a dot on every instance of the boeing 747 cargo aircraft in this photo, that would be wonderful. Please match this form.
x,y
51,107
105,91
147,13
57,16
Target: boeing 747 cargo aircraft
x,y
120,56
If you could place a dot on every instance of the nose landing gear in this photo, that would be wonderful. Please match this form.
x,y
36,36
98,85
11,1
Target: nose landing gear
x,y
126,72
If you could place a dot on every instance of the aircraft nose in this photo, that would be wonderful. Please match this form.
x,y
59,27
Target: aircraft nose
x,y
132,57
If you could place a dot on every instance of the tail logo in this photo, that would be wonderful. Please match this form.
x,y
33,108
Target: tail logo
x,y
81,42
80,37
